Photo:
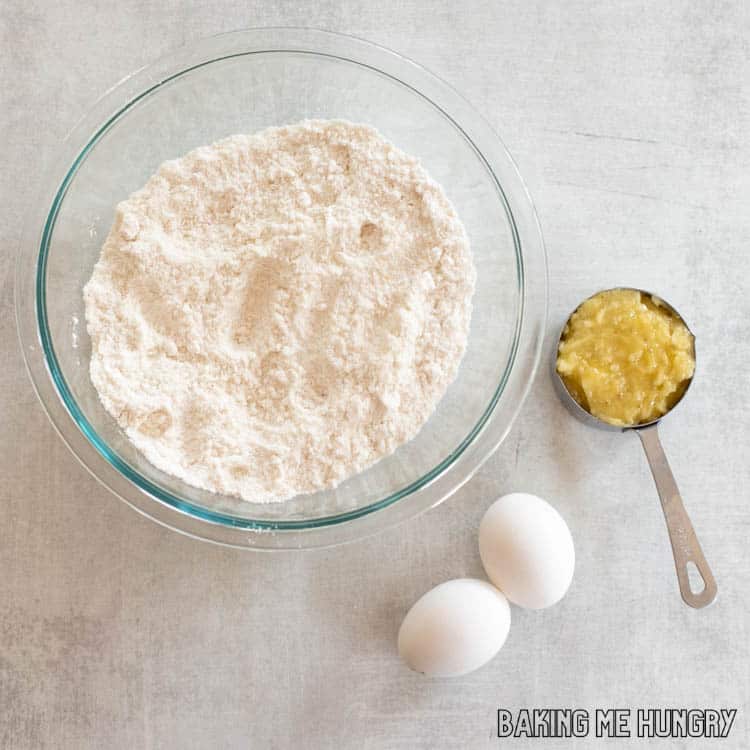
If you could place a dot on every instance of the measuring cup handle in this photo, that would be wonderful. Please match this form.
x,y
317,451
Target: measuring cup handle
x,y
685,546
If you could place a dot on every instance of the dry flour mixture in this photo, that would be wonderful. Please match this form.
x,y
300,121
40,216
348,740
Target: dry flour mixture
x,y
276,312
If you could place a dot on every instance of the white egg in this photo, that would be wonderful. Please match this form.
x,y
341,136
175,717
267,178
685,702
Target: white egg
x,y
527,550
455,628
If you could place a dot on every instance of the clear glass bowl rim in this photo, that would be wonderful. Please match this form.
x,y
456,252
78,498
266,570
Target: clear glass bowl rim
x,y
178,513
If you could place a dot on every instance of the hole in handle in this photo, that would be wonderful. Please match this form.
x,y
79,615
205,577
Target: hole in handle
x,y
695,579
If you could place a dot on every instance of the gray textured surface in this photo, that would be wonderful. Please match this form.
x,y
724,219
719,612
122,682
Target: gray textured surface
x,y
630,123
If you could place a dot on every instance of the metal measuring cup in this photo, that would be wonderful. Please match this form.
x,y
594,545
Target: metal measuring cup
x,y
685,546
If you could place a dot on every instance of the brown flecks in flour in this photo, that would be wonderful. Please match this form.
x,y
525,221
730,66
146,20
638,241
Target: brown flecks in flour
x,y
276,312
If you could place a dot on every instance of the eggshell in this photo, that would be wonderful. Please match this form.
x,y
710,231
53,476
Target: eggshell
x,y
527,550
455,628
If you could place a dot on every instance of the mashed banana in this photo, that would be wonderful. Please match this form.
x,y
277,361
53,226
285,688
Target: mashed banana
x,y
625,357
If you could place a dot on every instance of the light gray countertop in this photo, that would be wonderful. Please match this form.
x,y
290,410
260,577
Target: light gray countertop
x,y
630,123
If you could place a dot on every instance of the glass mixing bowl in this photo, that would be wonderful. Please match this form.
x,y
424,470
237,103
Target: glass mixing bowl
x,y
239,83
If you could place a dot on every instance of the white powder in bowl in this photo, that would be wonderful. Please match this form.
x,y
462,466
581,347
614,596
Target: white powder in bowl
x,y
276,312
